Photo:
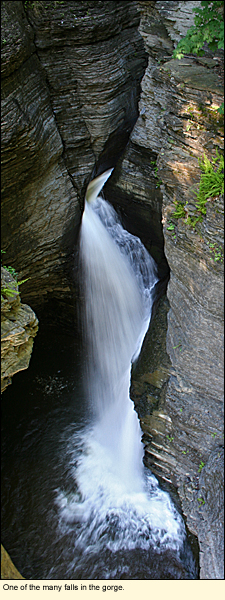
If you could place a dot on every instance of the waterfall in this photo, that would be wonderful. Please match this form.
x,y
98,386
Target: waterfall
x,y
117,505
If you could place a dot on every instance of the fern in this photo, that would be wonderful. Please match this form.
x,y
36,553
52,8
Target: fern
x,y
211,181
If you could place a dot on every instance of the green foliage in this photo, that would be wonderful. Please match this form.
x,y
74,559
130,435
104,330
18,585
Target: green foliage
x,y
217,252
178,346
170,438
179,212
221,109
202,464
28,4
11,270
208,28
211,185
201,501
9,289
171,227
211,181
158,181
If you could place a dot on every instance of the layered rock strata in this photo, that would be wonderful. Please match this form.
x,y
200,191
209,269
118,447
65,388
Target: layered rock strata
x,y
70,81
178,124
63,86
19,326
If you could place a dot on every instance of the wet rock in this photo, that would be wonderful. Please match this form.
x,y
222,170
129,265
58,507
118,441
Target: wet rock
x,y
19,326
207,515
38,199
71,78
211,516
178,123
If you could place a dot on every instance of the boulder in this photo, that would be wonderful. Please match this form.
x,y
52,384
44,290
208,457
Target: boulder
x,y
19,326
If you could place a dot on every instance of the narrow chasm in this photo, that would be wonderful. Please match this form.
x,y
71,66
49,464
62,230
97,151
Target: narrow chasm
x,y
73,474
112,439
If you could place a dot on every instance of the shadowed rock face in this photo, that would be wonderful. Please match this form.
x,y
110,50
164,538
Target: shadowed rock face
x,y
71,80
71,76
182,419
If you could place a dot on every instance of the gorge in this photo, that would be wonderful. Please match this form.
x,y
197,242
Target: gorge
x,y
73,74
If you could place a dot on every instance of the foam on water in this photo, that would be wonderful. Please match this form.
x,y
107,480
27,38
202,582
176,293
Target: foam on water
x,y
117,504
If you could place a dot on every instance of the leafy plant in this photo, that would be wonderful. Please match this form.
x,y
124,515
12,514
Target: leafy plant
x,y
8,291
211,185
211,181
221,109
208,28
201,501
216,251
178,346
159,182
170,438
28,4
9,288
179,212
202,464
171,227
11,270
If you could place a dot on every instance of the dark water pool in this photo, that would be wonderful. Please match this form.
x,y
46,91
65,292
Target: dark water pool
x,y
41,412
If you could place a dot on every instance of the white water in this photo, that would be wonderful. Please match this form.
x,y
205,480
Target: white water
x,y
117,504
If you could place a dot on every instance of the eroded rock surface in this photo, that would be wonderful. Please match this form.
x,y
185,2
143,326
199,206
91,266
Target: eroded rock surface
x,y
178,123
64,98
19,326
70,82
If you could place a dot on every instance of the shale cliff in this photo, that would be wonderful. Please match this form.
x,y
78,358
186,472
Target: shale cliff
x,y
71,74
71,77
178,124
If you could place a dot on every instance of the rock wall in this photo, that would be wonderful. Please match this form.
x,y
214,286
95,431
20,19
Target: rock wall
x,y
19,326
178,123
71,74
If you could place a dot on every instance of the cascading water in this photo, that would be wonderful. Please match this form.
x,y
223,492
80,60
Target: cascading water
x,y
121,522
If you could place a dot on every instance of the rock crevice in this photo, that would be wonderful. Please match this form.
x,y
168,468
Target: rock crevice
x,y
68,88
